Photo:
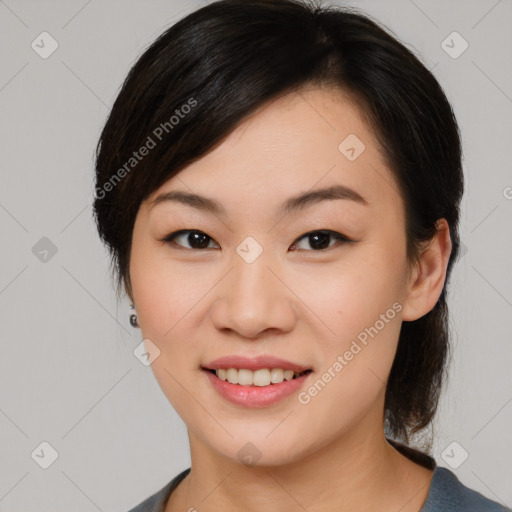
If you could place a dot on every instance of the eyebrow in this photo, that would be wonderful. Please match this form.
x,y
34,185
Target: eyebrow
x,y
293,204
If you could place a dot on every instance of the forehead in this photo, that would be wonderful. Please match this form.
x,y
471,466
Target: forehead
x,y
313,138
300,125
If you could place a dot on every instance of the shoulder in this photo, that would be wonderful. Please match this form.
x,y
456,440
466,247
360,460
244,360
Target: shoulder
x,y
448,494
156,502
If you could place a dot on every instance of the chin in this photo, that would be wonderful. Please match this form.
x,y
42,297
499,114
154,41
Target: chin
x,y
251,452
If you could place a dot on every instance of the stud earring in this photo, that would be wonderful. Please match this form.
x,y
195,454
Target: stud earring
x,y
133,318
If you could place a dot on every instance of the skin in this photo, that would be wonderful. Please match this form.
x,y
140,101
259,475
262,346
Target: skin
x,y
306,305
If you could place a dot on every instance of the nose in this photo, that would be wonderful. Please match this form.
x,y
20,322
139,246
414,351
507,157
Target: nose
x,y
254,299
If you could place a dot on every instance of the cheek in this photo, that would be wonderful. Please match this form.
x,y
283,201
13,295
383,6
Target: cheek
x,y
350,297
170,305
164,291
357,356
359,314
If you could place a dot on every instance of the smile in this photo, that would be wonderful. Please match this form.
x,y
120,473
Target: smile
x,y
255,395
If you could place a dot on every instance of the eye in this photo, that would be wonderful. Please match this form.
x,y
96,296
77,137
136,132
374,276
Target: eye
x,y
198,240
319,240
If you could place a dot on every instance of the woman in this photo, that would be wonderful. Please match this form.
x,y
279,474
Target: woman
x,y
279,186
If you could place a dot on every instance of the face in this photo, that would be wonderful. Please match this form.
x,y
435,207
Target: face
x,y
320,285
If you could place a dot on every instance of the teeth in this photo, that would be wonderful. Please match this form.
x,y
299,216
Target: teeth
x,y
262,377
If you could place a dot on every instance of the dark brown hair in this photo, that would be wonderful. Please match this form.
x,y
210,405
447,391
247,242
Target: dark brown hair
x,y
205,74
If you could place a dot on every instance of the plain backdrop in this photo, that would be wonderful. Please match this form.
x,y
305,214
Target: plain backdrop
x,y
72,393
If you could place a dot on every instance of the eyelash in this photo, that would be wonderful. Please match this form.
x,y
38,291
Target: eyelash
x,y
342,238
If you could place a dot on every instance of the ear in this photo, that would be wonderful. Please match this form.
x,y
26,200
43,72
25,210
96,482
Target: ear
x,y
428,276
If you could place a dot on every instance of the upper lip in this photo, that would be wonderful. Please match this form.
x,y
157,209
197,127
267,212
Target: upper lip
x,y
254,363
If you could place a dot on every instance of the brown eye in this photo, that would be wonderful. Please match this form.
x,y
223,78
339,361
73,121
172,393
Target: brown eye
x,y
319,240
196,239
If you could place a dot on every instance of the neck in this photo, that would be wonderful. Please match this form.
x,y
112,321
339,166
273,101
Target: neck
x,y
358,471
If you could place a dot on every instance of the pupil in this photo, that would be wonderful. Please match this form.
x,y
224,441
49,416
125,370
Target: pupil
x,y
324,240
198,240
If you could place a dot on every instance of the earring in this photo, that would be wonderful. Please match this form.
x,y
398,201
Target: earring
x,y
133,318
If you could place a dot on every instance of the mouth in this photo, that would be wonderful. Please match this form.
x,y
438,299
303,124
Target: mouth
x,y
259,388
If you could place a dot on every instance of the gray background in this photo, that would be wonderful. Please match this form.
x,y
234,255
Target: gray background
x,y
68,374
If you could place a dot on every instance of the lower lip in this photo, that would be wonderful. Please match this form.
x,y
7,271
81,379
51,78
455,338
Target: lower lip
x,y
255,396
